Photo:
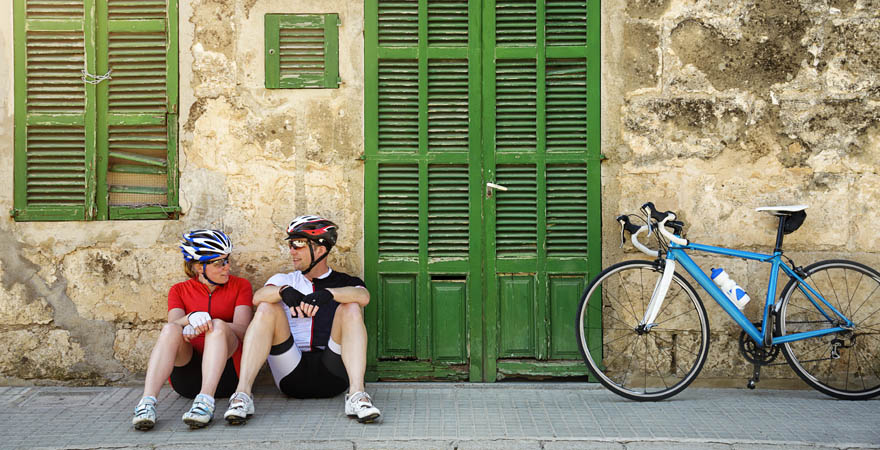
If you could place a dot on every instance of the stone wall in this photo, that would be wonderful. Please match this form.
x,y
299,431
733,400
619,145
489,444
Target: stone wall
x,y
712,108
83,302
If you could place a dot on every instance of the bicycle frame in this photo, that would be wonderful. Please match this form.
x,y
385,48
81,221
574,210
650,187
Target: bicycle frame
x,y
677,253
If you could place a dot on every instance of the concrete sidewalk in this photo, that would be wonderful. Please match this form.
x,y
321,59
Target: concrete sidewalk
x,y
451,416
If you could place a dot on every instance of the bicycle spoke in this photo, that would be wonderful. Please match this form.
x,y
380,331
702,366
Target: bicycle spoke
x,y
846,286
637,363
867,298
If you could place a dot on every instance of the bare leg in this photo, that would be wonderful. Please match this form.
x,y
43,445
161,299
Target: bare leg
x,y
268,327
220,344
170,350
351,334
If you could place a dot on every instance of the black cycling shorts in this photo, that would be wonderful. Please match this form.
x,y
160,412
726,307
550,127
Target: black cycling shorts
x,y
319,374
187,380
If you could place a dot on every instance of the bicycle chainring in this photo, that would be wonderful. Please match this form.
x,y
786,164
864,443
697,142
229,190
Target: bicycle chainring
x,y
754,353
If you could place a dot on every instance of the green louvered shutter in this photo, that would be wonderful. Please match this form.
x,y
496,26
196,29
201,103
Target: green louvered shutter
x,y
54,111
421,154
536,80
138,117
96,126
302,51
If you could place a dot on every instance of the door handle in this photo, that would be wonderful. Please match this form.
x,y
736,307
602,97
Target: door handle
x,y
492,186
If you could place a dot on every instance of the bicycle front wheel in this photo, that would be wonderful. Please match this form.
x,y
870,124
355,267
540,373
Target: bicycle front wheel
x,y
633,361
846,364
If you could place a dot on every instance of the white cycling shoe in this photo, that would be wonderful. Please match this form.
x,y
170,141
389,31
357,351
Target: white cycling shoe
x,y
361,405
144,414
201,412
241,406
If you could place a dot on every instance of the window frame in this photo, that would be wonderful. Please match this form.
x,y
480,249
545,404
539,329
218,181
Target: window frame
x,y
274,23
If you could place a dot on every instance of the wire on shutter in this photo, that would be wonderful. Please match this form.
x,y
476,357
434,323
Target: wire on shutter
x,y
448,105
567,210
448,211
448,23
398,210
516,211
398,105
516,106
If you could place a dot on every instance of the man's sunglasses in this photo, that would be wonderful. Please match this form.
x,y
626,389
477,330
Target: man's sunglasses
x,y
297,243
220,262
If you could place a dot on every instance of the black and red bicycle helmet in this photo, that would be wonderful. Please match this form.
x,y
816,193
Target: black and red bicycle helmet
x,y
316,229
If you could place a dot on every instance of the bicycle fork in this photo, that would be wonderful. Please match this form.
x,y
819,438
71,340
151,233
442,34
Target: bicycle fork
x,y
657,297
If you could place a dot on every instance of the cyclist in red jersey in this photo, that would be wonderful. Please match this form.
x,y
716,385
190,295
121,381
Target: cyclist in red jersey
x,y
199,349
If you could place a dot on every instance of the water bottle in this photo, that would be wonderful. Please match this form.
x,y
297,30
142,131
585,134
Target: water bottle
x,y
735,293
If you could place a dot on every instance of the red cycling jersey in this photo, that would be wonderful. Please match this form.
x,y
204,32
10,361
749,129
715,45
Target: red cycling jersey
x,y
191,295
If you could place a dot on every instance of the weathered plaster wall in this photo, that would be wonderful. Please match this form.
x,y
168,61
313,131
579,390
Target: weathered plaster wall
x,y
713,108
710,108
83,302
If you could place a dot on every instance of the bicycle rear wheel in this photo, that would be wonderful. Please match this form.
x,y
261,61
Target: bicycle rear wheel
x,y
633,362
846,364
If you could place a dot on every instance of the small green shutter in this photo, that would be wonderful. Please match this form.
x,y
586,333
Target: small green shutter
x,y
302,51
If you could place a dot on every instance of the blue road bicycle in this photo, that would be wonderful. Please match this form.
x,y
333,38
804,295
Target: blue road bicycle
x,y
643,332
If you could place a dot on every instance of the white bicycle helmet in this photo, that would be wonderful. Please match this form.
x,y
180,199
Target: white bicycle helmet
x,y
205,245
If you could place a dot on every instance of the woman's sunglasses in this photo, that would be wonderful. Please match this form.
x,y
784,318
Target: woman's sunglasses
x,y
218,263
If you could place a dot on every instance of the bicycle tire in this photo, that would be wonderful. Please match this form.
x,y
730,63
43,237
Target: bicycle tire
x,y
854,290
648,365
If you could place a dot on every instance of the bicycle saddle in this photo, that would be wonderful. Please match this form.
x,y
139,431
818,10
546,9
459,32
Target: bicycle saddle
x,y
782,210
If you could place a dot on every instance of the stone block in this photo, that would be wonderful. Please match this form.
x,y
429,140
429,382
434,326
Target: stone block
x,y
132,346
39,353
121,285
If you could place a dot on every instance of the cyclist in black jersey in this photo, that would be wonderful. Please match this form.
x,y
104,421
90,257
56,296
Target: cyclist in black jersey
x,y
309,325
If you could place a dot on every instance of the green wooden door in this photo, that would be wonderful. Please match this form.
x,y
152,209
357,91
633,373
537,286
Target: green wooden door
x,y
471,282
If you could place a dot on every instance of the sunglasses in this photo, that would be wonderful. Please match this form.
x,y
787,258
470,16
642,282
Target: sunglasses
x,y
297,243
218,263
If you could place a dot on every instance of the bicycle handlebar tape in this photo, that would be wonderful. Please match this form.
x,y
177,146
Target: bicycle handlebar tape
x,y
291,297
319,298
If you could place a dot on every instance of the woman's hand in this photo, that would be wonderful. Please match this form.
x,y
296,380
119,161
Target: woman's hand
x,y
188,333
200,322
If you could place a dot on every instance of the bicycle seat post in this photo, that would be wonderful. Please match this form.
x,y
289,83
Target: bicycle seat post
x,y
780,232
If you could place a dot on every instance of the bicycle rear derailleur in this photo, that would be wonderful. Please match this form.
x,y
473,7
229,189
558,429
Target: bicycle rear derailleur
x,y
757,355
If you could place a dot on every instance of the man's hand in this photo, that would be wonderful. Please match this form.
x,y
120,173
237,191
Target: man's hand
x,y
313,302
290,296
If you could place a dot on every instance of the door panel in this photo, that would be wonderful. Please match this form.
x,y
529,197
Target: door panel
x,y
536,119
475,283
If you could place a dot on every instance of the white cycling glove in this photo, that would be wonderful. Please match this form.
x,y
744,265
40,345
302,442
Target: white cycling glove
x,y
198,318
189,330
